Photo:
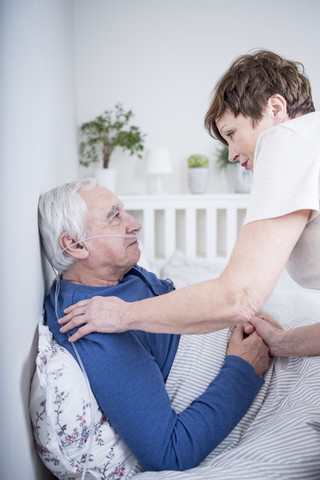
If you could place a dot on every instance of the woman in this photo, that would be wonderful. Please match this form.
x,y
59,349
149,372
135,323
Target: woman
x,y
262,109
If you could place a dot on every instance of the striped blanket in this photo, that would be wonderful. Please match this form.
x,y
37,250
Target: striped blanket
x,y
279,437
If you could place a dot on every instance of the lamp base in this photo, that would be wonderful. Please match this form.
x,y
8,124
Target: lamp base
x,y
156,185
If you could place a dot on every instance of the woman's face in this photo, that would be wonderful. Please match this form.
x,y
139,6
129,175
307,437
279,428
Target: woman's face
x,y
242,136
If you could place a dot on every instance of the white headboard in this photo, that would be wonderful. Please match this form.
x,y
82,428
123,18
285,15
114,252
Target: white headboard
x,y
202,226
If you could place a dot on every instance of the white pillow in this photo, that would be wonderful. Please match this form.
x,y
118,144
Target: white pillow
x,y
61,415
183,270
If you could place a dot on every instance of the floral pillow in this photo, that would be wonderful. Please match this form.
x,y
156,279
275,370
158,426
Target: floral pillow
x,y
61,414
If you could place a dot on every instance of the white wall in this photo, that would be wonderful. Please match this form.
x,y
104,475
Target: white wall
x,y
162,58
37,152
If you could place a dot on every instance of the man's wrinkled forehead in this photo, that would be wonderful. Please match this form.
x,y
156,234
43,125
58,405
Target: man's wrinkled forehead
x,y
101,201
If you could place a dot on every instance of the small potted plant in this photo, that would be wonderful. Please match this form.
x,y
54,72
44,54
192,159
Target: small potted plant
x,y
198,173
241,178
102,135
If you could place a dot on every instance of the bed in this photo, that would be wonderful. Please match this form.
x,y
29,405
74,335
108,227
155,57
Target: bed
x,y
204,227
189,238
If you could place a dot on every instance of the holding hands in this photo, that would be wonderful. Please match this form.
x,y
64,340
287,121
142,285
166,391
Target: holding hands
x,y
271,332
254,341
250,348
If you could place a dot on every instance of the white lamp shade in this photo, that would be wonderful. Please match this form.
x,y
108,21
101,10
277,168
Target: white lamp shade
x,y
158,161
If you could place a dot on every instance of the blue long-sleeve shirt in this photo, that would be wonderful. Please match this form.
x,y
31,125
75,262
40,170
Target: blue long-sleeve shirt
x,y
127,374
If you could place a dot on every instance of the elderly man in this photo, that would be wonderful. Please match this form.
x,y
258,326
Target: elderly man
x,y
91,240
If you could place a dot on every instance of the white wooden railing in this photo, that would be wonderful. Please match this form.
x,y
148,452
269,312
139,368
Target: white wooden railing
x,y
203,226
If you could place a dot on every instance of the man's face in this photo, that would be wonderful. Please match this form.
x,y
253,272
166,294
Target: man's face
x,y
113,256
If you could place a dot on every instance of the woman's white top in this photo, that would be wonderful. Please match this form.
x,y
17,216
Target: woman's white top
x,y
287,179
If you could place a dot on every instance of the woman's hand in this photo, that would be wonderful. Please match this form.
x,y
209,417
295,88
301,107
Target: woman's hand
x,y
271,332
250,348
97,314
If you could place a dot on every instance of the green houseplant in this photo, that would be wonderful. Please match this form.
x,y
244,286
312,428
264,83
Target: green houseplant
x,y
222,157
198,173
106,132
198,161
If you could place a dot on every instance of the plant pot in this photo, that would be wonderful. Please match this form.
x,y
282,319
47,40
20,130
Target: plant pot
x,y
241,178
198,179
107,177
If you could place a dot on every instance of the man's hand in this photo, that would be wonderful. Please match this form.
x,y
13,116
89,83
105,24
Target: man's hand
x,y
250,348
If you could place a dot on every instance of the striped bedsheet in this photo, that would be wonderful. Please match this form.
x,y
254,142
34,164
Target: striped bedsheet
x,y
279,437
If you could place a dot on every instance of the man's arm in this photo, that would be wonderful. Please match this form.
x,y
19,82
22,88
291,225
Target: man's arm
x,y
130,390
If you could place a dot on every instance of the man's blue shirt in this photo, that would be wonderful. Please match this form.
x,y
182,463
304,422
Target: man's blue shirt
x,y
127,373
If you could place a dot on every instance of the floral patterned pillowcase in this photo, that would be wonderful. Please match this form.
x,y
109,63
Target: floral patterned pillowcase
x,y
61,415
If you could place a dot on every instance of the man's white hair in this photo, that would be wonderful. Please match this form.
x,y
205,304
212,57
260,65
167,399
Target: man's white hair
x,y
63,210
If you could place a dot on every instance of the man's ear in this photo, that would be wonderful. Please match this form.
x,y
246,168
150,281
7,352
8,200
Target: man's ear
x,y
278,108
76,250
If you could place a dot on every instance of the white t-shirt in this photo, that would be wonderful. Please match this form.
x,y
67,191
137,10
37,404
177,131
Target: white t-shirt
x,y
287,179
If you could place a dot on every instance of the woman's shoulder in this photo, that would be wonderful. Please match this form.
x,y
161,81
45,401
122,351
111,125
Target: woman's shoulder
x,y
295,137
302,128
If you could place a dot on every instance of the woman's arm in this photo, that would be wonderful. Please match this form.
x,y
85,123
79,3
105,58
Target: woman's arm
x,y
286,343
259,256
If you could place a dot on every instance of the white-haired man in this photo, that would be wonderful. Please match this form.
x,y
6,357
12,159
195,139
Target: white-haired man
x,y
91,240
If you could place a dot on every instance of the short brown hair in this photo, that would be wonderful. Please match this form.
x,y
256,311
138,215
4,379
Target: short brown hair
x,y
251,80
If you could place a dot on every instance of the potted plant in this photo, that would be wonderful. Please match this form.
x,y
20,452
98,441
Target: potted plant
x,y
241,178
198,173
106,132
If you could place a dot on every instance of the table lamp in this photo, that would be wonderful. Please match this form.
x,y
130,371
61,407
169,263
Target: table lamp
x,y
158,163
